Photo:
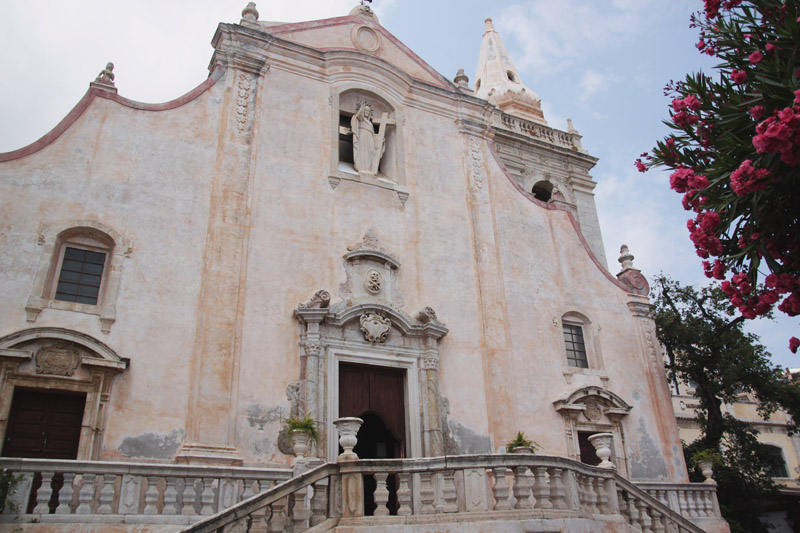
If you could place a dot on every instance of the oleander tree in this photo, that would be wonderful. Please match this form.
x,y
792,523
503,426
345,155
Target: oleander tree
x,y
734,153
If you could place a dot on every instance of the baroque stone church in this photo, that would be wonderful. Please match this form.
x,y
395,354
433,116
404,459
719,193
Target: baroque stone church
x,y
328,226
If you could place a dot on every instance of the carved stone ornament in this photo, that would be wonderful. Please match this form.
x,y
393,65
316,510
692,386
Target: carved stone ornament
x,y
593,411
320,300
106,76
375,327
368,242
373,281
427,315
60,359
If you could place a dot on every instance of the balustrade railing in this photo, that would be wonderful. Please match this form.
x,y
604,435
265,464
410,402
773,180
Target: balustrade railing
x,y
206,498
463,487
52,490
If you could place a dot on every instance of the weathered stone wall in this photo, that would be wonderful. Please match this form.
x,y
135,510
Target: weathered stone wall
x,y
499,269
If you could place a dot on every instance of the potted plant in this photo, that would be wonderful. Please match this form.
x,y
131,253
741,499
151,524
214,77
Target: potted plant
x,y
301,431
705,461
521,444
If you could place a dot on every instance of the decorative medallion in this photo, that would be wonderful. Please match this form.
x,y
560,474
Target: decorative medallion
x,y
593,411
373,281
60,359
366,39
375,327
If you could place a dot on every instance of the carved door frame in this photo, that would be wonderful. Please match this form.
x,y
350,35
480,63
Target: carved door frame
x,y
411,392
91,370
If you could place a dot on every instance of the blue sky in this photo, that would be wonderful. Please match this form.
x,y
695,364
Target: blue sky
x,y
602,63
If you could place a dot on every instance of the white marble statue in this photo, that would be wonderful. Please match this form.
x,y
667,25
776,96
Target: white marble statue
x,y
368,146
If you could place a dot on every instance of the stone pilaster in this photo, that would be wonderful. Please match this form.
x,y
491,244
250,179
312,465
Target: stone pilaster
x,y
211,414
495,338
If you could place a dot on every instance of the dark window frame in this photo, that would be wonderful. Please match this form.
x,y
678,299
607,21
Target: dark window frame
x,y
575,345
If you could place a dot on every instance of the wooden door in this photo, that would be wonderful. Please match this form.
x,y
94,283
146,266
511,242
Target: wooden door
x,y
379,392
44,424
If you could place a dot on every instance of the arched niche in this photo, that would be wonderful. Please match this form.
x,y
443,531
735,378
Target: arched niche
x,y
62,360
385,166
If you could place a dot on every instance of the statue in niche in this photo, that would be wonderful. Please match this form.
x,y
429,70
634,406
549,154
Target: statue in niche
x,y
368,146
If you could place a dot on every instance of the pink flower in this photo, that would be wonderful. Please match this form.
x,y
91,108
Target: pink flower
x,y
684,119
794,343
770,47
756,57
797,97
757,111
747,179
739,76
701,44
641,167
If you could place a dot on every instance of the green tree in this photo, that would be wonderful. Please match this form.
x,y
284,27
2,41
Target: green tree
x,y
735,152
705,344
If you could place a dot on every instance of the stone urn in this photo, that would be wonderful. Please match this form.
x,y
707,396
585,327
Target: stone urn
x,y
348,429
520,449
707,469
602,447
301,442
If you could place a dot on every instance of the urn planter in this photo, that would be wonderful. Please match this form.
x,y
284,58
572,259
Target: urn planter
x,y
602,447
348,429
301,442
707,469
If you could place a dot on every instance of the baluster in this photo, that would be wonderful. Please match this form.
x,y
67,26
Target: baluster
x,y
381,494
106,494
300,511
449,492
522,488
541,488
633,511
247,492
692,503
151,495
683,504
602,497
171,497
500,489
86,495
644,517
404,494
258,522
557,491
44,494
189,495
277,519
319,502
708,504
426,493
207,496
622,501
658,521
65,496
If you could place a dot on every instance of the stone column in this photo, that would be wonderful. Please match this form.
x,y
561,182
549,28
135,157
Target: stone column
x,y
210,422
432,439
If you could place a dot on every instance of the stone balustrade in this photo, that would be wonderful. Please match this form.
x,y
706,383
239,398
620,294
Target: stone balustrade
x,y
694,500
452,490
70,492
540,132
400,492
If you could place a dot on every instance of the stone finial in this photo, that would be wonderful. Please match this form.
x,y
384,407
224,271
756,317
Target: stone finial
x,y
625,257
461,79
106,76
365,12
488,22
570,127
250,13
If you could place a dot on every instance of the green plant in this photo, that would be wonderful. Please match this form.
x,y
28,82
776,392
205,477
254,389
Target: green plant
x,y
8,482
306,423
521,441
707,454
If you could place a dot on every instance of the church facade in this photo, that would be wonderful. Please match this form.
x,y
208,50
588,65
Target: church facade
x,y
325,226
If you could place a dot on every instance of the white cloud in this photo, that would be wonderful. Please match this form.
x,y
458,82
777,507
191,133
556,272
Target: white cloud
x,y
550,34
593,82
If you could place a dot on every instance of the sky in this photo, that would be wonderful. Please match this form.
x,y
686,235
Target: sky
x,y
603,63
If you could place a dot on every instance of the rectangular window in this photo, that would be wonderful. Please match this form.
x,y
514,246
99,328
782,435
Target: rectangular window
x,y
80,277
576,349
